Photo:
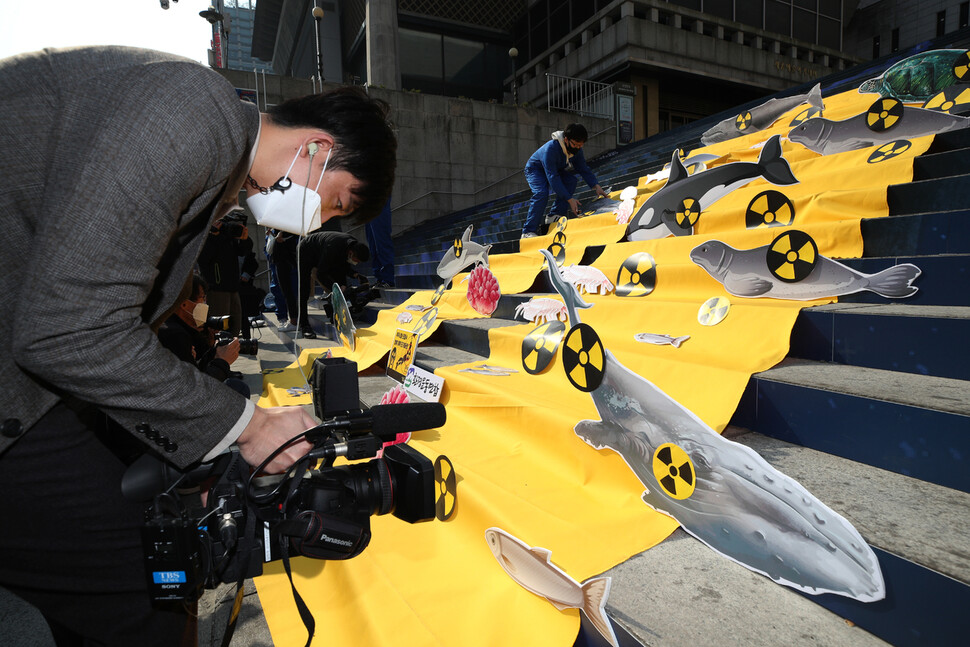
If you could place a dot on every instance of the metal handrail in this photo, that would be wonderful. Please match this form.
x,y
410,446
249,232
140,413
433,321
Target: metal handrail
x,y
579,95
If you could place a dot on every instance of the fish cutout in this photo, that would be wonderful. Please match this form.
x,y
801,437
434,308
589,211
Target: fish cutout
x,y
721,492
746,273
761,117
463,253
827,137
916,78
600,206
532,569
675,207
660,340
485,369
693,164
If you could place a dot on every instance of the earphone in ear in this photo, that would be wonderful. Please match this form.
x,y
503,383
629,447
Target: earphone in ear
x,y
312,149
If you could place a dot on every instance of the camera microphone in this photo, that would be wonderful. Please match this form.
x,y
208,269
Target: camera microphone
x,y
385,421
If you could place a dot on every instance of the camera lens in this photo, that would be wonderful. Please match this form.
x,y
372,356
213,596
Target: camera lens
x,y
248,346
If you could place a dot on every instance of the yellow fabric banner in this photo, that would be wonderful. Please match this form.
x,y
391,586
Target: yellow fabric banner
x,y
510,438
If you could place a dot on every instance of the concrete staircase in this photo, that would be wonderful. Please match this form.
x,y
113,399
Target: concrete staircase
x,y
870,411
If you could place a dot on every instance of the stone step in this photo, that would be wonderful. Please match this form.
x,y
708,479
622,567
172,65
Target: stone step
x,y
931,166
917,235
917,425
929,196
926,340
942,282
681,592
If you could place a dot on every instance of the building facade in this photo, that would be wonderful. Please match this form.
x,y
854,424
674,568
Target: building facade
x,y
880,27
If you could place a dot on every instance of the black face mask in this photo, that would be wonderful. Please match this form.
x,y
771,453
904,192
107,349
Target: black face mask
x,y
571,149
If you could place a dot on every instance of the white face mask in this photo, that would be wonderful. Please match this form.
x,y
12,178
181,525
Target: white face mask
x,y
200,313
287,205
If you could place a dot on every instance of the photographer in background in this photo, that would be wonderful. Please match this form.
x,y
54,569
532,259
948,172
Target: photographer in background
x,y
331,257
185,333
116,162
219,265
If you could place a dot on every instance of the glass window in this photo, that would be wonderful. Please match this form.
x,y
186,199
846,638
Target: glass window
x,y
941,23
830,8
464,61
829,33
964,14
895,40
805,4
875,46
803,27
720,8
420,54
778,17
749,13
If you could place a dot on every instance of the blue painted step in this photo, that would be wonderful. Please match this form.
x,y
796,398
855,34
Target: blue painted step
x,y
944,279
928,196
913,339
922,607
876,417
918,235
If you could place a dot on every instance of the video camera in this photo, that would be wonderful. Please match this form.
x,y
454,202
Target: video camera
x,y
219,325
233,225
321,513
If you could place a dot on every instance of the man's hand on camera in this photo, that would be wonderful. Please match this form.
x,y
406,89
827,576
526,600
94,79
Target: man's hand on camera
x,y
228,352
268,429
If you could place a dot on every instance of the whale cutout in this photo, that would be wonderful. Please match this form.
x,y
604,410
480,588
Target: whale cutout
x,y
761,117
657,216
739,505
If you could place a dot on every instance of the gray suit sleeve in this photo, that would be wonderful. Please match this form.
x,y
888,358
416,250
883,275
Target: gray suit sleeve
x,y
141,157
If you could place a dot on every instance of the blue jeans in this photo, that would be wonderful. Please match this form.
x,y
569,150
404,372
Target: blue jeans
x,y
540,194
381,246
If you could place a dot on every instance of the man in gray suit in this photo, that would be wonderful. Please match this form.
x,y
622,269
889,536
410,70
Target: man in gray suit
x,y
114,164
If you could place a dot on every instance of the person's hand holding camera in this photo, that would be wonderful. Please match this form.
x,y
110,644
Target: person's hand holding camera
x,y
268,429
228,352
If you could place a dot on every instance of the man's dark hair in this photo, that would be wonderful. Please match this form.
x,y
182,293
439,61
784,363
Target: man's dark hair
x,y
199,287
365,144
360,252
576,132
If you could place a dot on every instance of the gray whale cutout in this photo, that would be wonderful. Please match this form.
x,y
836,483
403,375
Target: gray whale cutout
x,y
741,507
762,116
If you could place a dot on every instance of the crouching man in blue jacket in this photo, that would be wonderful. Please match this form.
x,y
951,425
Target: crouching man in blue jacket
x,y
555,164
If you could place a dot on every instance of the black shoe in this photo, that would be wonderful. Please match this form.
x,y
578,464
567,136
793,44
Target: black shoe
x,y
307,333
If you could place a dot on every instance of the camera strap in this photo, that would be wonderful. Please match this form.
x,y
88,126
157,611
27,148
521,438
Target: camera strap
x,y
240,584
299,470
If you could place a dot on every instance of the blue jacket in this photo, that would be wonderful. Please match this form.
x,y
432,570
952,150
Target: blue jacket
x,y
551,160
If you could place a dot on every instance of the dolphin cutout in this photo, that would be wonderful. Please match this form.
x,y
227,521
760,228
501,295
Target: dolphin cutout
x,y
457,258
656,217
740,507
826,137
762,116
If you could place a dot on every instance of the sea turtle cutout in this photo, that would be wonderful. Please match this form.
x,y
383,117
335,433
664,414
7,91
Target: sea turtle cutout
x,y
790,267
919,77
740,506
